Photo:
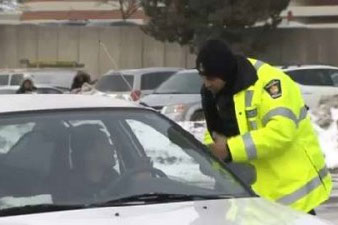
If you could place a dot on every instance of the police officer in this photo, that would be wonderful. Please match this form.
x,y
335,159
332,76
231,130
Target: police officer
x,y
255,114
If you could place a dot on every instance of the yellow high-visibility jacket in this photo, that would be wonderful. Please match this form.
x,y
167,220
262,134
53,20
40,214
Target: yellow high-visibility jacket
x,y
278,140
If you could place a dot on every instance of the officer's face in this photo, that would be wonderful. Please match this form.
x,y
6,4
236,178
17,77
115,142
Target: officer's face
x,y
214,84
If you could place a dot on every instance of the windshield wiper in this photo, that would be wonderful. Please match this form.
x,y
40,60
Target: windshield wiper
x,y
151,198
29,209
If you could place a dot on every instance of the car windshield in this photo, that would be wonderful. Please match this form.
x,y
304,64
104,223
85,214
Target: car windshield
x,y
181,83
95,156
115,83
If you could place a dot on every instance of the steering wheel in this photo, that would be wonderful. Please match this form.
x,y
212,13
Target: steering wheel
x,y
113,185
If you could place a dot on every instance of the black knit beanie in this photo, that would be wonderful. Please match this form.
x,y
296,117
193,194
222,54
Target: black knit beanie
x,y
216,59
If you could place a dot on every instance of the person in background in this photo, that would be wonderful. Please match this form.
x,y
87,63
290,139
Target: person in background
x,y
81,78
27,86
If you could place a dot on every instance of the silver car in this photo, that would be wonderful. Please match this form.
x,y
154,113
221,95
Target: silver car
x,y
178,97
133,83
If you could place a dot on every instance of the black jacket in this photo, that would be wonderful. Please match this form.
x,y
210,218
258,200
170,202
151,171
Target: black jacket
x,y
220,113
219,110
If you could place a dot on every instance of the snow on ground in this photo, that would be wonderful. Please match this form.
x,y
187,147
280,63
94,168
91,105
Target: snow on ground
x,y
328,137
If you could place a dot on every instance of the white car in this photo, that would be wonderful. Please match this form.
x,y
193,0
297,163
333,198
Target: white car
x,y
60,78
315,81
133,83
82,159
41,89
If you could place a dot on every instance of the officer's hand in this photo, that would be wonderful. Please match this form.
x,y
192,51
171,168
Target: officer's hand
x,y
219,148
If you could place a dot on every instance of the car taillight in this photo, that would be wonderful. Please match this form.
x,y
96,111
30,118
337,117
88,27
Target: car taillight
x,y
135,95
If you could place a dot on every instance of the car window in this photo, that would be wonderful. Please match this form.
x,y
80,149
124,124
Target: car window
x,y
16,79
181,83
151,81
88,156
170,157
115,83
10,134
317,77
334,77
4,79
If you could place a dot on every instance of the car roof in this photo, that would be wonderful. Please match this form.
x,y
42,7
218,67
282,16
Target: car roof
x,y
188,71
11,87
37,102
141,71
27,70
303,67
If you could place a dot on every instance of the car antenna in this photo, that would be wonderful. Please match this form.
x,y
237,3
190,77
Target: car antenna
x,y
114,64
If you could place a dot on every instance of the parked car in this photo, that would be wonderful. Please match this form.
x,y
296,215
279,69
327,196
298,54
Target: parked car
x,y
80,159
60,78
178,97
315,81
41,89
133,83
10,77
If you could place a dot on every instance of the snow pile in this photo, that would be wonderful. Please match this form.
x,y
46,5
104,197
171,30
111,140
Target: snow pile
x,y
325,123
325,119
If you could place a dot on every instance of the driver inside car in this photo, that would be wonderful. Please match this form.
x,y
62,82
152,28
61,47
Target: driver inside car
x,y
92,162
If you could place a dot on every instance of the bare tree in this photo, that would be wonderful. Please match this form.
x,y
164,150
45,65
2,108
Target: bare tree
x,y
127,7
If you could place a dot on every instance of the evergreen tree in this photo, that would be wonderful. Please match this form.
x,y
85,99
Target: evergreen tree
x,y
192,21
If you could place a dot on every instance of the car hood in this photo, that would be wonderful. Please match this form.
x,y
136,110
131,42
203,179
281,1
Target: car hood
x,y
170,99
253,211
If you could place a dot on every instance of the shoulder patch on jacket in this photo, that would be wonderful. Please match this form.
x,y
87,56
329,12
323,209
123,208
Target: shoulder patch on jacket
x,y
274,89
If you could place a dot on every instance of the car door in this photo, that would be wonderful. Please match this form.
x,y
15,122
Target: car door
x,y
315,84
16,79
150,81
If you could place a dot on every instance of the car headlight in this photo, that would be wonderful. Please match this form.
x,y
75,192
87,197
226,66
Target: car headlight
x,y
178,108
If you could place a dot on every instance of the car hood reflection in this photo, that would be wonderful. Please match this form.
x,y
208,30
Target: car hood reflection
x,y
248,211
